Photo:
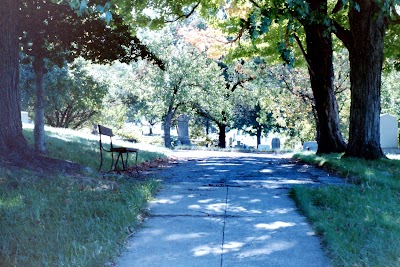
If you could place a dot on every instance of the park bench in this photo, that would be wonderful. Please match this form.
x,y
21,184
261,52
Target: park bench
x,y
122,153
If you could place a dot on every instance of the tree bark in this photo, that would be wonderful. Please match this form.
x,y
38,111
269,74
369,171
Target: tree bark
x,y
258,134
12,140
320,60
367,29
39,134
221,135
167,127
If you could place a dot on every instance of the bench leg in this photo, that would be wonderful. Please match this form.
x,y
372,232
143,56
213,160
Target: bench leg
x,y
137,169
101,159
125,166
116,162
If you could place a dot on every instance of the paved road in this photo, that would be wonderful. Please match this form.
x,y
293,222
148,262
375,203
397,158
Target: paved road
x,y
228,209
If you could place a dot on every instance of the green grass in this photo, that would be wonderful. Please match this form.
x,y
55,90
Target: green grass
x,y
69,220
67,145
359,224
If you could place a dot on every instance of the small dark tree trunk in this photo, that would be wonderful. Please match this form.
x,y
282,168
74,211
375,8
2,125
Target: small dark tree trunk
x,y
221,135
167,127
39,134
259,132
12,140
367,29
320,58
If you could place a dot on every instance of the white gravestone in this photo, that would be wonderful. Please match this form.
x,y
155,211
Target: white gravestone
x,y
310,145
389,130
264,147
24,117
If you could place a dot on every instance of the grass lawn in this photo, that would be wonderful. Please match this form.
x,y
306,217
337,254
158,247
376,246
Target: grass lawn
x,y
359,224
69,220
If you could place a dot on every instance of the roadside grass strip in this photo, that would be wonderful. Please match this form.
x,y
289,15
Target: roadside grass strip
x,y
359,224
57,219
65,221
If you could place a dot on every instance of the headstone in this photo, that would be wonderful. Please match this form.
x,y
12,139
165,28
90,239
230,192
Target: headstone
x,y
263,147
24,117
389,130
310,145
183,130
275,143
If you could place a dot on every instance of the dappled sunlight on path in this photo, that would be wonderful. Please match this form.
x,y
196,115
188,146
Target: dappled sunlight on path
x,y
229,210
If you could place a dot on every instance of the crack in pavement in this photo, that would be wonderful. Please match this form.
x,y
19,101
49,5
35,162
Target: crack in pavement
x,y
223,228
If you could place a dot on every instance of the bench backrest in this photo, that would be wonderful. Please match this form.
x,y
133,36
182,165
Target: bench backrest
x,y
105,131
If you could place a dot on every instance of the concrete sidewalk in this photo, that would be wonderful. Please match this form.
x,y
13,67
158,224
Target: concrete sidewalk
x,y
225,211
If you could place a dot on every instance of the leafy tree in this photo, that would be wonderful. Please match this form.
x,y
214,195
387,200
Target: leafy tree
x,y
253,119
290,24
189,76
288,95
13,145
54,32
318,20
68,106
218,106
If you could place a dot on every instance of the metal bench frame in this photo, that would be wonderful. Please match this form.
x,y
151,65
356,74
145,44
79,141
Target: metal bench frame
x,y
120,151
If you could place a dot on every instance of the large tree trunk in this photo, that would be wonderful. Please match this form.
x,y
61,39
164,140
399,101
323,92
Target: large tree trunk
x,y
12,140
320,59
367,29
39,134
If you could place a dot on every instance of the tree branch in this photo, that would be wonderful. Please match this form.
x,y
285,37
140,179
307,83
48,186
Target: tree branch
x,y
246,25
342,33
254,3
304,54
184,15
339,6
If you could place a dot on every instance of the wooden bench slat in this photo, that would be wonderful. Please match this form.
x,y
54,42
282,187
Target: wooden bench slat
x,y
105,131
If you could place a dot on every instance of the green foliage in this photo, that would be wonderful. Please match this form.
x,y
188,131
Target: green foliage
x,y
72,98
254,119
54,31
121,82
130,133
356,222
287,95
391,93
154,14
190,77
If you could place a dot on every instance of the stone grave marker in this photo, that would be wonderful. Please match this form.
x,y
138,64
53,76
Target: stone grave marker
x,y
24,117
275,143
389,130
310,145
183,130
